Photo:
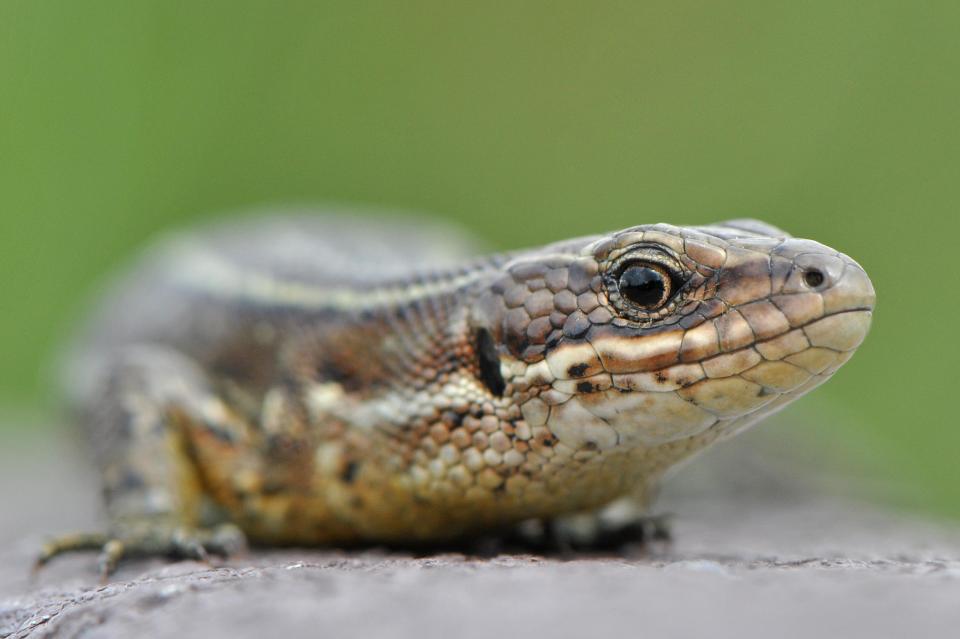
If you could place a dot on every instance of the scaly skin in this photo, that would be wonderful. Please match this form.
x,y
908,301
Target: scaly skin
x,y
293,383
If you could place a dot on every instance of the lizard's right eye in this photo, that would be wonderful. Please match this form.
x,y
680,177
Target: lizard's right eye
x,y
645,284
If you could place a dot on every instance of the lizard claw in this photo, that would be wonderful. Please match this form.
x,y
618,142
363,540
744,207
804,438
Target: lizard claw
x,y
170,542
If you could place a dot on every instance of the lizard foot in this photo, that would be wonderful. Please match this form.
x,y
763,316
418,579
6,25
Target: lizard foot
x,y
175,542
594,533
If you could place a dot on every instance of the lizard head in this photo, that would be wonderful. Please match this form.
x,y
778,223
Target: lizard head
x,y
660,335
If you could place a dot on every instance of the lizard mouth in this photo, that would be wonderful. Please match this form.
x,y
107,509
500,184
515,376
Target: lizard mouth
x,y
726,391
802,347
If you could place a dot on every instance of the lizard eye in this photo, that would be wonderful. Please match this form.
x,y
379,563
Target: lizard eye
x,y
645,284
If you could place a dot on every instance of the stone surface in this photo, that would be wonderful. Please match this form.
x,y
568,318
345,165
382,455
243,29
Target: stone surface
x,y
753,556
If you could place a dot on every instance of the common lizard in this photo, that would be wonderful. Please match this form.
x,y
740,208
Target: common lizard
x,y
322,380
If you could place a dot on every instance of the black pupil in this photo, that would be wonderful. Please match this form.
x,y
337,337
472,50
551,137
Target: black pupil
x,y
643,286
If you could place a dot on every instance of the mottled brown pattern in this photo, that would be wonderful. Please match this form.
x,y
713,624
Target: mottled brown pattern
x,y
453,399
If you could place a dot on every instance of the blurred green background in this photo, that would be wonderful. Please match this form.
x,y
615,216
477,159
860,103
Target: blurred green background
x,y
526,121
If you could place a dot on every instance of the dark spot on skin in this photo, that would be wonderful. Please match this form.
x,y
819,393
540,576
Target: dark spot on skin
x,y
488,362
349,472
452,418
661,377
590,446
577,370
549,442
585,387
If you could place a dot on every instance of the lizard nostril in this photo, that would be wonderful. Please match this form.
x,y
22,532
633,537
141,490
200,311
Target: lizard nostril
x,y
814,278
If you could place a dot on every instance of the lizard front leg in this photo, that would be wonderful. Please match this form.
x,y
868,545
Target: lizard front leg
x,y
149,409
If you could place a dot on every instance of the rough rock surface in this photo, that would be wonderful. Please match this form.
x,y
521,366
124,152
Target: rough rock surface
x,y
752,557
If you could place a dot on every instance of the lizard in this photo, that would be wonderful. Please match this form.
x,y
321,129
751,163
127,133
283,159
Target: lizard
x,y
317,379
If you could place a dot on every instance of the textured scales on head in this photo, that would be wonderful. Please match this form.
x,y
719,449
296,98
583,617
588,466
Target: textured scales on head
x,y
654,341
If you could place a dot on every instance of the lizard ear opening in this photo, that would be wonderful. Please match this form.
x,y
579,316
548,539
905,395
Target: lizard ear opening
x,y
488,362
